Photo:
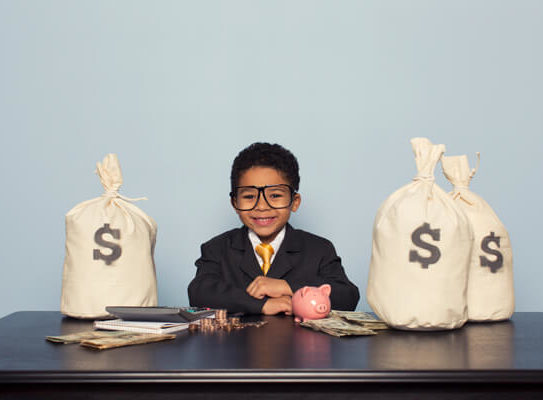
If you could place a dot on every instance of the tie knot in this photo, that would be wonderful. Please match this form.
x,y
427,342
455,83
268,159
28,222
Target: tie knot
x,y
265,251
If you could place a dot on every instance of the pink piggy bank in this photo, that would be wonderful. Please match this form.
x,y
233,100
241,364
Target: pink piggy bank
x,y
311,302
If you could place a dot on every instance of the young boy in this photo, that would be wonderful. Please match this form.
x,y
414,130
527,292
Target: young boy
x,y
239,271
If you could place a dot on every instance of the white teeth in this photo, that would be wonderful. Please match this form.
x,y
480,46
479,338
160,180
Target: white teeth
x,y
264,219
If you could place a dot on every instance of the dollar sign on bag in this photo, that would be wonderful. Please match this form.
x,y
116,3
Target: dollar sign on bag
x,y
435,254
115,248
485,262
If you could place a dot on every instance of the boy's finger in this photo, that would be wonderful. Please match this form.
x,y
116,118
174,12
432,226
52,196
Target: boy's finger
x,y
256,291
253,284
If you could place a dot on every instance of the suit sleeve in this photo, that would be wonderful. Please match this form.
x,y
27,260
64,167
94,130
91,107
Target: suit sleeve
x,y
345,294
210,289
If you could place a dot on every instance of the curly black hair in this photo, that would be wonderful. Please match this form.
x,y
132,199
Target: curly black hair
x,y
266,155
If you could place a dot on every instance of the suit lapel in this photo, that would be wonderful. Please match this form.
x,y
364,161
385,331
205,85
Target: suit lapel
x,y
285,259
247,262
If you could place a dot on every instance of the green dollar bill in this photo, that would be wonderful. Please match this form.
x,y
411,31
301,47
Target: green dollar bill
x,y
337,327
85,335
128,339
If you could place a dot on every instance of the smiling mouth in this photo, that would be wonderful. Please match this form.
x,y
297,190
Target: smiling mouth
x,y
263,221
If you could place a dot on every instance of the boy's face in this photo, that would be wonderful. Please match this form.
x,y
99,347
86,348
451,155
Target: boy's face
x,y
265,221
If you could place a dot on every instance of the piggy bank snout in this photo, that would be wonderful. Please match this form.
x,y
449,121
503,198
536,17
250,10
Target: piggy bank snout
x,y
322,308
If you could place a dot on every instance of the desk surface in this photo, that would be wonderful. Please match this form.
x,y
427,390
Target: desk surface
x,y
511,349
491,353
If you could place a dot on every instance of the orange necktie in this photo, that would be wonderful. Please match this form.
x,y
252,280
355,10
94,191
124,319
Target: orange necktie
x,y
265,251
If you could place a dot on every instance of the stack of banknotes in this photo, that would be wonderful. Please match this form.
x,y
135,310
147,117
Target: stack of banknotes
x,y
101,340
345,323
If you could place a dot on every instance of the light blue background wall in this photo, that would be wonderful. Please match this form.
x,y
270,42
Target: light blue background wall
x,y
178,88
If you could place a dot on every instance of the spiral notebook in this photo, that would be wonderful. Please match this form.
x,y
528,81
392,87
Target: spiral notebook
x,y
141,326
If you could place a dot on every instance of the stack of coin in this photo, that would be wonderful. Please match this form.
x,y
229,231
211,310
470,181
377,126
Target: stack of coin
x,y
222,322
220,315
207,325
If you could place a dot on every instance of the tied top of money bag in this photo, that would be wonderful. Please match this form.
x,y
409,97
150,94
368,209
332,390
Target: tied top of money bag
x,y
426,156
456,170
109,172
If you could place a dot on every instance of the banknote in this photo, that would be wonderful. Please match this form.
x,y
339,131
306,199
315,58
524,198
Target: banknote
x,y
86,335
360,318
352,315
344,323
108,339
336,327
128,339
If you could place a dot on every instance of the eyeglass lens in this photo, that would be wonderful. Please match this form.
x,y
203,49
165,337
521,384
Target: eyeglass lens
x,y
278,196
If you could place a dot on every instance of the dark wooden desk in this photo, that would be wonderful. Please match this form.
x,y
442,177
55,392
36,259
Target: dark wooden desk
x,y
496,360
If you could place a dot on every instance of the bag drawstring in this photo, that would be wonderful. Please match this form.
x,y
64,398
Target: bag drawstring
x,y
115,194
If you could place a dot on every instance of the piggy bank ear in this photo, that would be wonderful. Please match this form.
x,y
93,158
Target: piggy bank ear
x,y
305,290
326,289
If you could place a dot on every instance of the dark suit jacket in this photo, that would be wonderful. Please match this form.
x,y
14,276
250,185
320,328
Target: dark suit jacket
x,y
228,265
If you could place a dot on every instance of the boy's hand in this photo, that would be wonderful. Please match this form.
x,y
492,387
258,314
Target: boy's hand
x,y
262,286
277,305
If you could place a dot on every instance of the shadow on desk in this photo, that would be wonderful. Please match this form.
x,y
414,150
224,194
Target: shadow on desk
x,y
475,346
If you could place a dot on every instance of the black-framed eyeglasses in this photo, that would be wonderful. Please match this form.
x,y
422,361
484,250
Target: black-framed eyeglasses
x,y
245,198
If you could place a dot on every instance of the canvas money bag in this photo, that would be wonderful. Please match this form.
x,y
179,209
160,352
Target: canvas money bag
x,y
109,251
420,252
490,284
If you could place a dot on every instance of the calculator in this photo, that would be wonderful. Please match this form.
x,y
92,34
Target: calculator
x,y
159,314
